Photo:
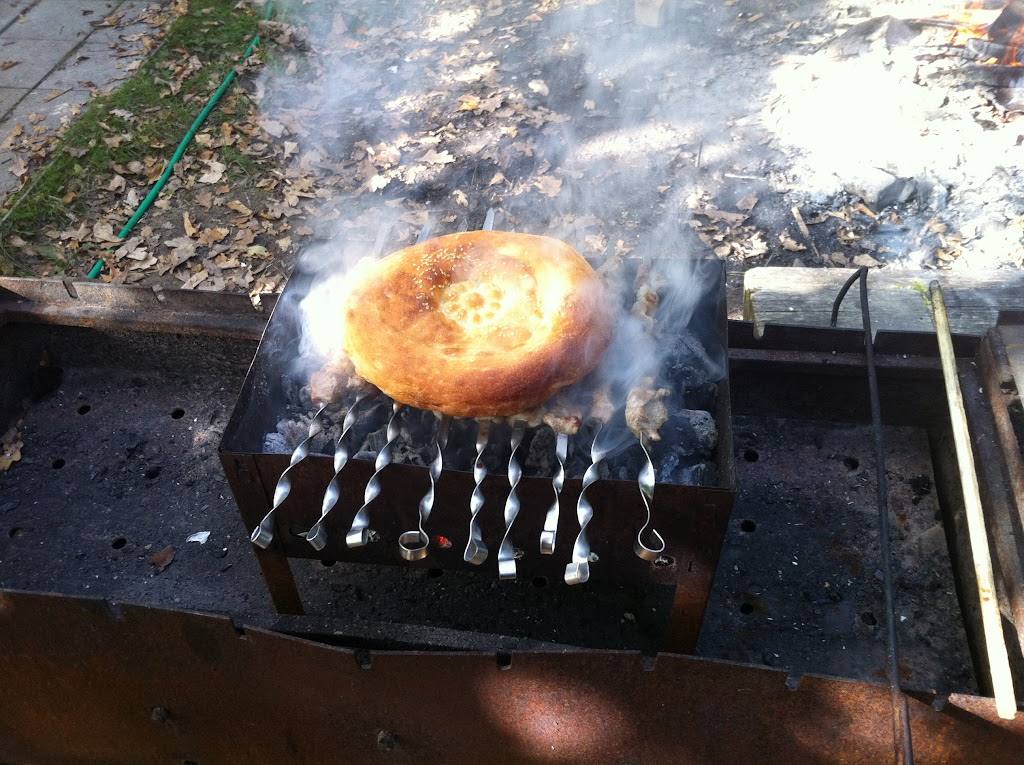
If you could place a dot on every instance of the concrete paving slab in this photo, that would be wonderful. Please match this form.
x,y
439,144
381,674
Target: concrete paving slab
x,y
62,105
70,20
9,97
34,60
89,67
10,10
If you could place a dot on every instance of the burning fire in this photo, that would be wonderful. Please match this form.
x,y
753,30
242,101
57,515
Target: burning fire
x,y
1000,28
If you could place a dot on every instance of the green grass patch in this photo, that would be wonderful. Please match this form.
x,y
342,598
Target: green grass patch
x,y
145,117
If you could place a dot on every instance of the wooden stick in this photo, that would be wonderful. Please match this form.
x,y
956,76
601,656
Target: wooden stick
x,y
991,621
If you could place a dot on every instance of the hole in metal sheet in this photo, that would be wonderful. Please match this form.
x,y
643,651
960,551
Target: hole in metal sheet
x,y
504,660
364,659
58,463
746,608
664,560
177,414
118,543
84,409
748,526
751,455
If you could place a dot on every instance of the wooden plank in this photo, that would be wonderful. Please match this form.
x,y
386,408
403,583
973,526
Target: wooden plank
x,y
804,296
991,617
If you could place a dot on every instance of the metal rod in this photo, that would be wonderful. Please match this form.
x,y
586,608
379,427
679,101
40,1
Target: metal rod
x,y
902,740
317,536
359,533
550,532
476,550
991,621
263,534
578,571
506,551
412,545
643,550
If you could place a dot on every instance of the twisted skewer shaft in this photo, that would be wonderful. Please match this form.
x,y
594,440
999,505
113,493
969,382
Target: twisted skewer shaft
x,y
507,552
646,482
578,571
359,533
548,535
412,545
263,534
476,550
316,535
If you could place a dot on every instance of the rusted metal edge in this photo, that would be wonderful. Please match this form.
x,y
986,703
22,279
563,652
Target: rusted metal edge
x,y
88,681
117,306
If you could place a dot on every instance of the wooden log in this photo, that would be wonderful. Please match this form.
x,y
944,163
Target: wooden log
x,y
804,296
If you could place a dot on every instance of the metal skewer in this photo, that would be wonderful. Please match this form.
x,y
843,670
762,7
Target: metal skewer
x,y
646,481
547,536
263,534
316,535
359,533
578,571
507,552
412,545
476,550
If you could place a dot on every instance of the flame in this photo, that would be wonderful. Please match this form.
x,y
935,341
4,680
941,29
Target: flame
x,y
1002,25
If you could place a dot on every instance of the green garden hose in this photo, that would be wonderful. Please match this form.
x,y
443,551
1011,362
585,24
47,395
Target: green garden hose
x,y
158,186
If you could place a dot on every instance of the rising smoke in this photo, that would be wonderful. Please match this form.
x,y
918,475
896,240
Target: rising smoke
x,y
567,118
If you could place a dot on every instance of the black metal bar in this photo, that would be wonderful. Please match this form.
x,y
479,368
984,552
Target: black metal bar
x,y
900,712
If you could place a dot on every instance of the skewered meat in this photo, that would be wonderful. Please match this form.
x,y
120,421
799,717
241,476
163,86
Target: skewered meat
x,y
646,411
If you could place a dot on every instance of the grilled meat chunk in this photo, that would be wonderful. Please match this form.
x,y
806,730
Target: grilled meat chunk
x,y
646,411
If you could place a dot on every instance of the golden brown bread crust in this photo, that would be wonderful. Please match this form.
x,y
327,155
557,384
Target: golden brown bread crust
x,y
478,324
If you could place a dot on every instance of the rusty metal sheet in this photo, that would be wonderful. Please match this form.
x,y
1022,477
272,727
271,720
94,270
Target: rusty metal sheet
x,y
96,304
86,682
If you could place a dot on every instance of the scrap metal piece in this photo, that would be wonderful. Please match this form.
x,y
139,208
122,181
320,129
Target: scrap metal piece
x,y
506,552
646,481
412,545
578,571
547,536
359,533
476,550
263,534
317,535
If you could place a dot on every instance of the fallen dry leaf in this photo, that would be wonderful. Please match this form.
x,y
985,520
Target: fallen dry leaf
x,y
214,173
549,186
538,86
10,448
747,204
163,558
865,260
789,243
438,158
